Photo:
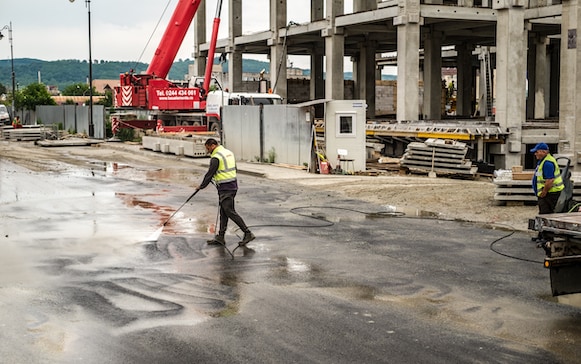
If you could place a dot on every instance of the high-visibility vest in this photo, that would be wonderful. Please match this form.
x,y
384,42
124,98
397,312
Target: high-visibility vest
x,y
557,183
227,168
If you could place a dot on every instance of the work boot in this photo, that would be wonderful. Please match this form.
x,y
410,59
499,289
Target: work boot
x,y
217,240
248,237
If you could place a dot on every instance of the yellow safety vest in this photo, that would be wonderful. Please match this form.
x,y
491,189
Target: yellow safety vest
x,y
557,183
227,168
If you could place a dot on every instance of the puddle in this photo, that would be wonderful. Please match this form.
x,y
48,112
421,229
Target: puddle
x,y
419,213
180,222
110,167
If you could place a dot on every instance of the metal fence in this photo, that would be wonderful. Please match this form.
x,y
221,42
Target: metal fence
x,y
273,133
73,118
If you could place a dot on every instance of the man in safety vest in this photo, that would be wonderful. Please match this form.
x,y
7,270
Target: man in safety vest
x,y
547,181
222,172
16,124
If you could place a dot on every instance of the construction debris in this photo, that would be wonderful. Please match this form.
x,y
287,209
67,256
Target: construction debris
x,y
68,142
384,164
438,157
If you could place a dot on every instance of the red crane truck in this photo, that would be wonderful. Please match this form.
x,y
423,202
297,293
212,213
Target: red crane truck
x,y
170,102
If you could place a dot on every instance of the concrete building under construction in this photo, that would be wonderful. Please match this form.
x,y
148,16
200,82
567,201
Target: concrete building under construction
x,y
517,61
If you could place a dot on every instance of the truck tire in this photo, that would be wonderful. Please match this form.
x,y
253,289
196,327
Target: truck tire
x,y
215,127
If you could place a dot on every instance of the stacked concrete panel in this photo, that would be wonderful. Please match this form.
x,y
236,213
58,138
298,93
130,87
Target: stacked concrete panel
x,y
443,157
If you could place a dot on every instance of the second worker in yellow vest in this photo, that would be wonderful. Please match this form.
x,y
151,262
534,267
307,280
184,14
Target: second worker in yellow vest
x,y
547,181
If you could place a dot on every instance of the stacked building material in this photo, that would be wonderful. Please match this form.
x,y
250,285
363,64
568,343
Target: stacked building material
x,y
520,191
442,157
25,133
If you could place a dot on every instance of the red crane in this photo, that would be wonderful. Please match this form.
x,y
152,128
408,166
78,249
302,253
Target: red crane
x,y
151,90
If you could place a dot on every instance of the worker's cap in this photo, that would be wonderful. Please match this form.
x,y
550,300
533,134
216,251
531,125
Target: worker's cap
x,y
540,146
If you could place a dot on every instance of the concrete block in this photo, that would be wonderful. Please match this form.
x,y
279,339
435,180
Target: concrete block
x,y
514,146
400,20
501,4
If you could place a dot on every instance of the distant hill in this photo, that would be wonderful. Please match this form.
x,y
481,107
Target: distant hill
x,y
63,73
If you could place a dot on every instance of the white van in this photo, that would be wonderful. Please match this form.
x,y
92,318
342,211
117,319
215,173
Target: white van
x,y
217,99
4,115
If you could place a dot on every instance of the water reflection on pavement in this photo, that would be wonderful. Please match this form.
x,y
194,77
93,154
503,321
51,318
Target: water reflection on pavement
x,y
80,282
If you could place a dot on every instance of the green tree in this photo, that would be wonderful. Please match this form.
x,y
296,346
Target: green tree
x,y
107,101
76,89
36,94
3,89
18,100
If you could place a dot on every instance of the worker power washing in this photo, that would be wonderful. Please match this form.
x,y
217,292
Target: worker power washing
x,y
222,172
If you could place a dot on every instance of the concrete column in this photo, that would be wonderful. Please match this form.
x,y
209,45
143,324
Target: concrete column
x,y
570,81
334,80
542,79
466,81
234,54
432,109
334,52
511,66
364,5
531,77
317,83
480,149
199,66
278,54
317,11
365,79
554,51
408,59
485,67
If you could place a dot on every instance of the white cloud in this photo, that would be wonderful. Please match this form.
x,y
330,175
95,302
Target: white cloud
x,y
120,29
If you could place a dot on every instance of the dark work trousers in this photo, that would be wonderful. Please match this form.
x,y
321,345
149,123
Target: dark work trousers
x,y
227,211
547,204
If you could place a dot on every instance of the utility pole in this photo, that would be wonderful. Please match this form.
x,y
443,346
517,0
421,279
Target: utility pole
x,y
91,125
9,27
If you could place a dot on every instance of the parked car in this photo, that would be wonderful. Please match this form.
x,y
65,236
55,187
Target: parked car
x,y
4,115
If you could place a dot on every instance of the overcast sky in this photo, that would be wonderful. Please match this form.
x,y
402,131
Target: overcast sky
x,y
120,29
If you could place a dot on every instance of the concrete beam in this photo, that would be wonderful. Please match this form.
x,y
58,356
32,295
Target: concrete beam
x,y
199,55
458,13
544,12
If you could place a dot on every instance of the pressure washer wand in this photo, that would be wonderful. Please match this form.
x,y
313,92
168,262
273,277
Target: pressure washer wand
x,y
158,232
176,211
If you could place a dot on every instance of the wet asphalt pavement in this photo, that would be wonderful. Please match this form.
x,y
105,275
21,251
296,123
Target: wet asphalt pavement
x,y
327,280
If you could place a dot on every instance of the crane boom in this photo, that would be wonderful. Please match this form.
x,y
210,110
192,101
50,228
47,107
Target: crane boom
x,y
172,101
151,90
212,50
173,37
